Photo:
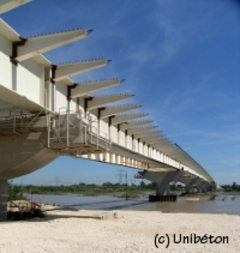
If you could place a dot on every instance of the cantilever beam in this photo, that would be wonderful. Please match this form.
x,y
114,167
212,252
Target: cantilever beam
x,y
133,124
100,101
37,45
113,110
83,89
126,117
7,5
61,72
140,129
147,134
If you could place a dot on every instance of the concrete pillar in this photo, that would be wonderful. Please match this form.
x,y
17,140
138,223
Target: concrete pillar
x,y
163,188
190,183
189,188
163,179
199,188
205,187
3,199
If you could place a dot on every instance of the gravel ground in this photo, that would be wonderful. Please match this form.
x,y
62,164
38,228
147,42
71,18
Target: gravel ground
x,y
122,231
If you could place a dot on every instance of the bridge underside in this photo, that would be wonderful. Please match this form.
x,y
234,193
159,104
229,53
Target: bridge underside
x,y
28,143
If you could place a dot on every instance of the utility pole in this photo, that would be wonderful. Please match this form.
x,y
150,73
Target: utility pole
x,y
133,181
120,176
57,181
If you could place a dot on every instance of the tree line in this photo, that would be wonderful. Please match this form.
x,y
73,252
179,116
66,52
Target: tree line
x,y
231,188
16,191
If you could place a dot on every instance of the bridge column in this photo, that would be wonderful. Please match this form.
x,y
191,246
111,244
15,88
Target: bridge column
x,y
162,179
199,188
163,188
205,187
189,185
189,188
200,185
3,199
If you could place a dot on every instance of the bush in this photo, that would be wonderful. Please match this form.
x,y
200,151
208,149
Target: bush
x,y
15,193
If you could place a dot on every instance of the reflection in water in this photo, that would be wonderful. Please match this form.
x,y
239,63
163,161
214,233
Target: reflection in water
x,y
221,204
88,203
204,205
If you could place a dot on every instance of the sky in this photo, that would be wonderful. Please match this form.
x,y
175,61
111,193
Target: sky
x,y
181,60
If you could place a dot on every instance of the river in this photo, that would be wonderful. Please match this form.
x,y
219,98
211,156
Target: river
x,y
229,204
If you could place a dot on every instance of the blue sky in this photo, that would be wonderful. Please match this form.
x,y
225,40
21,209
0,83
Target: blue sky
x,y
180,58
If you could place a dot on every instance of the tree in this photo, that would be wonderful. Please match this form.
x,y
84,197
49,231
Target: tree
x,y
234,186
14,192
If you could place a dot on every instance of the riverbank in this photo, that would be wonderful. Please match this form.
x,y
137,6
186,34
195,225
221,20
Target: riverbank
x,y
124,231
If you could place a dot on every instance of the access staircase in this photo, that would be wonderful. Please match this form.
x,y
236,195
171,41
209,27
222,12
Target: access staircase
x,y
72,135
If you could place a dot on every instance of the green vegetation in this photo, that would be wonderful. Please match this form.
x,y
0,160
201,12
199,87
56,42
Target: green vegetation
x,y
118,190
231,188
15,192
88,189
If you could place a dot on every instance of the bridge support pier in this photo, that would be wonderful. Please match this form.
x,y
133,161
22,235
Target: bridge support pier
x,y
163,188
190,184
189,188
205,187
200,187
162,179
3,199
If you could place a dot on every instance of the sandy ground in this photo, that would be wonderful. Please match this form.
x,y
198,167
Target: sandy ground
x,y
120,231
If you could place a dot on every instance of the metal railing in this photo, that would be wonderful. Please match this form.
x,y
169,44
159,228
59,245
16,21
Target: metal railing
x,y
17,124
70,129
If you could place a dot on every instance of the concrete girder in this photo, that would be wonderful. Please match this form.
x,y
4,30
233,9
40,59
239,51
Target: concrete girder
x,y
25,153
63,71
83,89
101,101
132,124
40,44
126,117
140,129
7,5
113,110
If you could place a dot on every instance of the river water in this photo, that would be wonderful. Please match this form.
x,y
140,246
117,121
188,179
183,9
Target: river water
x,y
229,204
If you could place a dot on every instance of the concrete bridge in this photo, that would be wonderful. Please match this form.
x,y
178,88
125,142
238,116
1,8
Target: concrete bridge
x,y
45,114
